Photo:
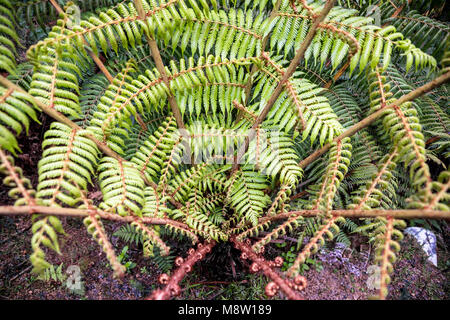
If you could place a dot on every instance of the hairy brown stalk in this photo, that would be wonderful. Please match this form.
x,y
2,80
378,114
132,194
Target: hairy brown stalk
x,y
71,212
401,213
101,236
266,268
337,75
374,116
241,108
119,269
172,287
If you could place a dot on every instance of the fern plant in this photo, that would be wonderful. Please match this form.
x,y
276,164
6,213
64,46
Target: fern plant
x,y
216,120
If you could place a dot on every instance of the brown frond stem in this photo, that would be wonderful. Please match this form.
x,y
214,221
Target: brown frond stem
x,y
172,287
378,178
337,75
17,180
310,9
346,36
160,67
354,48
259,263
374,116
71,212
350,213
249,84
244,110
289,72
100,235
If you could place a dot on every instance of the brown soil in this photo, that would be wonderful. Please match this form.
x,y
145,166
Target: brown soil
x,y
335,276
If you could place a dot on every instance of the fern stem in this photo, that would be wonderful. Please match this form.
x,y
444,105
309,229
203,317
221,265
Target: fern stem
x,y
401,213
249,85
172,288
374,116
289,72
160,67
268,271
71,212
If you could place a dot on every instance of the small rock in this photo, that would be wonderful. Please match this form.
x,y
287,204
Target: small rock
x,y
427,241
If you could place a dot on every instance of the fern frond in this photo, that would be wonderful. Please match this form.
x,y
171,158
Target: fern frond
x,y
69,157
95,227
246,195
44,231
274,155
290,224
15,110
199,221
373,40
122,187
232,34
8,37
315,242
426,33
338,162
155,151
56,81
21,188
150,237
387,246
128,233
403,127
369,196
301,100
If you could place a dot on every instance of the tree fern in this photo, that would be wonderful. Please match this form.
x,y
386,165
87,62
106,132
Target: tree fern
x,y
212,121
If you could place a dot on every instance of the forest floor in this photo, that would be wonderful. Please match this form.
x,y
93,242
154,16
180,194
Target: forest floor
x,y
334,273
